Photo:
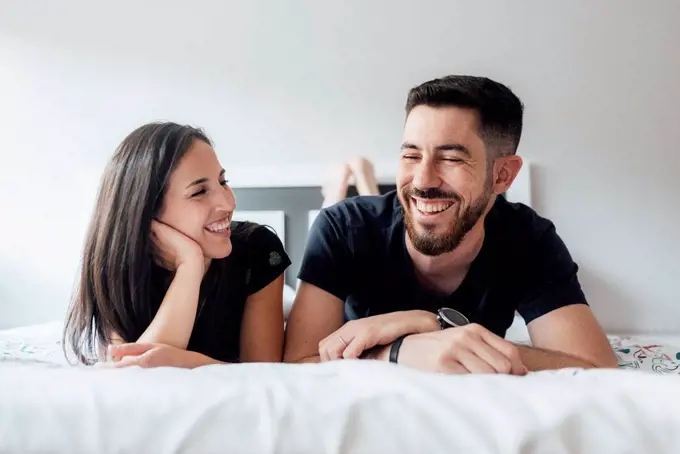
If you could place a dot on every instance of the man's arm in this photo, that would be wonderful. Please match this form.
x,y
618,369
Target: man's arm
x,y
561,325
567,337
315,314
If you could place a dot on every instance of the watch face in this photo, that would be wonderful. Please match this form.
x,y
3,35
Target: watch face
x,y
453,317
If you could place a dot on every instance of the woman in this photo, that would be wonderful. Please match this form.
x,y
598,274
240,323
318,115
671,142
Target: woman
x,y
167,278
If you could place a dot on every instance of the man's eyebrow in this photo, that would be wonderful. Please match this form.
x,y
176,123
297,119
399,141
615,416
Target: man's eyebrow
x,y
409,146
453,147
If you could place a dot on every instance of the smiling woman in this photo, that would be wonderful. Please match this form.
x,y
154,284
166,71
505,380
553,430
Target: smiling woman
x,y
168,278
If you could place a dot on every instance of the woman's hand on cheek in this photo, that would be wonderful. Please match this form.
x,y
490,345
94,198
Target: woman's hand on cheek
x,y
172,248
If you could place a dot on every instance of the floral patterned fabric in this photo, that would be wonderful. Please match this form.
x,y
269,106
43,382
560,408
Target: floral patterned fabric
x,y
653,357
38,345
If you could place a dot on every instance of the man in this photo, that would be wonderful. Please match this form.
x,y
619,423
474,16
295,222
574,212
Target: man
x,y
436,270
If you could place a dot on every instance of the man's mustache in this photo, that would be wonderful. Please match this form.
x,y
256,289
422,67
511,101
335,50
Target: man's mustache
x,y
429,193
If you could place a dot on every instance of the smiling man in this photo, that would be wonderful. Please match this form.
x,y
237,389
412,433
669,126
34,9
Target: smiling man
x,y
436,270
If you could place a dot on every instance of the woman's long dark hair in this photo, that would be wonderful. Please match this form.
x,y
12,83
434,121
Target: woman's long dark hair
x,y
115,291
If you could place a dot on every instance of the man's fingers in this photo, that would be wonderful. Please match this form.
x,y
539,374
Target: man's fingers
x,y
131,349
453,367
473,363
323,353
497,360
331,348
355,348
508,350
336,346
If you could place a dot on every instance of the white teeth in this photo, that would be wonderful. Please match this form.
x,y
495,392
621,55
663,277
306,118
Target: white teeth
x,y
218,227
435,207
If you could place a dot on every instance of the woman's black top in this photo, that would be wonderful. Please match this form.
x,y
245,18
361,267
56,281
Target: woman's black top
x,y
257,258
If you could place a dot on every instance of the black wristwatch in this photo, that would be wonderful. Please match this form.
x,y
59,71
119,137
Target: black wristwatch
x,y
450,318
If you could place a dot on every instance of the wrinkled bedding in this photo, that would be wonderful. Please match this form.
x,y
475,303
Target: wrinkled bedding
x,y
339,407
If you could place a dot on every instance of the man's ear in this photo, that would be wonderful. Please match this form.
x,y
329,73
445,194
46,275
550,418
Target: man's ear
x,y
505,169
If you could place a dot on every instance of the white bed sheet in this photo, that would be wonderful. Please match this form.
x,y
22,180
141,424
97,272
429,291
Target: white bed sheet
x,y
339,407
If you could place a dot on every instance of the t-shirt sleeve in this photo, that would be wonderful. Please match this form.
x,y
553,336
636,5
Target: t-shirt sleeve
x,y
267,259
326,262
552,281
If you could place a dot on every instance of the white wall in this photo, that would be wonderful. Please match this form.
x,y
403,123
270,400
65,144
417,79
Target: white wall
x,y
309,83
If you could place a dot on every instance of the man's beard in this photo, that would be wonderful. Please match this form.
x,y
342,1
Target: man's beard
x,y
431,244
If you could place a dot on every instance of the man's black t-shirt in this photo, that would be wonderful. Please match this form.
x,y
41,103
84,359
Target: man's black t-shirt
x,y
356,251
257,259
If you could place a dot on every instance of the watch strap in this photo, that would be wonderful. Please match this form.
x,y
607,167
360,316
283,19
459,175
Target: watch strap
x,y
440,320
394,349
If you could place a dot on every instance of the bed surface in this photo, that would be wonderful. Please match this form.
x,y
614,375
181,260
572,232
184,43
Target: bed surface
x,y
339,407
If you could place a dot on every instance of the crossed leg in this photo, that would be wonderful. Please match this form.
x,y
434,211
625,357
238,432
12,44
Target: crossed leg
x,y
364,176
335,188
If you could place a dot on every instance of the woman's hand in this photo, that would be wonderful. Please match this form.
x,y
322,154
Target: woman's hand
x,y
173,248
154,355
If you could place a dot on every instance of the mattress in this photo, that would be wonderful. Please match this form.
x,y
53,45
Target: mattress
x,y
338,407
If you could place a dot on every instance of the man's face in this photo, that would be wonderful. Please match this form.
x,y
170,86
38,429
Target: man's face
x,y
443,182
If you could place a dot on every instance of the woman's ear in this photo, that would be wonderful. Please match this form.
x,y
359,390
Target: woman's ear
x,y
505,170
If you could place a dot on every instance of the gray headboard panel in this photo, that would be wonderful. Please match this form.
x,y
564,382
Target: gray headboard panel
x,y
296,203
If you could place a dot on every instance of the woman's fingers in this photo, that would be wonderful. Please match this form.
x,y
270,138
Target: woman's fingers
x,y
130,349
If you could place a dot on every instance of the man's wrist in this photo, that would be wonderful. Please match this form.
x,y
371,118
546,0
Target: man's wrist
x,y
380,353
426,322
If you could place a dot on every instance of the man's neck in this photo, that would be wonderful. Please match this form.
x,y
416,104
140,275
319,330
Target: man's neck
x,y
445,272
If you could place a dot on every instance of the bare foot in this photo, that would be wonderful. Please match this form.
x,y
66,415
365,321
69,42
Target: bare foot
x,y
364,176
335,188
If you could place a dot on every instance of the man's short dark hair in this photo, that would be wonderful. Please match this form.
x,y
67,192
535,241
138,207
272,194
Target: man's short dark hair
x,y
500,111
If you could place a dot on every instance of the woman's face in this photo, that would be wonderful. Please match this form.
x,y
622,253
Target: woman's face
x,y
198,201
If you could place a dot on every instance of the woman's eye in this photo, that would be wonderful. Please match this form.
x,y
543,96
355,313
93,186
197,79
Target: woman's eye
x,y
199,192
224,182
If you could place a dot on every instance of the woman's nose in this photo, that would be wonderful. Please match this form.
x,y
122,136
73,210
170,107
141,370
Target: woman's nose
x,y
228,200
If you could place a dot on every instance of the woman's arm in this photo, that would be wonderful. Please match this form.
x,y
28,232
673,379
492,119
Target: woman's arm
x,y
156,355
262,324
261,335
174,320
173,323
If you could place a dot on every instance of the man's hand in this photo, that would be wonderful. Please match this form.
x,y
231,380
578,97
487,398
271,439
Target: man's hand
x,y
357,336
154,355
462,350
